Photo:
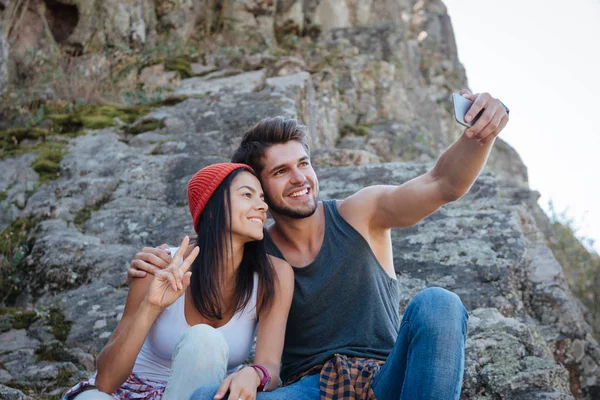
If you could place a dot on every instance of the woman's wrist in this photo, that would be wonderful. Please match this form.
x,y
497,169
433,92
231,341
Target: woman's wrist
x,y
147,308
258,374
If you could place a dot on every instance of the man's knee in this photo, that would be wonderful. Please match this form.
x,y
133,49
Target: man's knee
x,y
438,307
205,392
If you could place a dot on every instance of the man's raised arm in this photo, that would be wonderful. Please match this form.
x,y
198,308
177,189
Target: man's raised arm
x,y
451,178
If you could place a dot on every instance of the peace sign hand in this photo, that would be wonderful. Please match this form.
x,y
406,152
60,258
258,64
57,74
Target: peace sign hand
x,y
170,283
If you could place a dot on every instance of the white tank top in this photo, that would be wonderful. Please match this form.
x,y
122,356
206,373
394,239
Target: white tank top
x,y
154,360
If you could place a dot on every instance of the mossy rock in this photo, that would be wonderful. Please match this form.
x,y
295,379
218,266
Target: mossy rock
x,y
86,212
44,166
20,134
357,130
97,122
65,123
16,232
60,325
17,318
11,138
82,216
54,351
94,117
182,65
169,101
146,125
47,165
16,241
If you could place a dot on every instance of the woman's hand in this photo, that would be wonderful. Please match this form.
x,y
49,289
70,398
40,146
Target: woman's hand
x,y
170,283
241,385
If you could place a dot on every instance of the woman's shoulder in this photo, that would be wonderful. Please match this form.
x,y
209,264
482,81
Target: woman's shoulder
x,y
278,263
282,268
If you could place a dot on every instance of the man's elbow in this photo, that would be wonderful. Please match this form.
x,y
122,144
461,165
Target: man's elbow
x,y
452,196
450,192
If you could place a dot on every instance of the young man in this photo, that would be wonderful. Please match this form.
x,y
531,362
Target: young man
x,y
343,336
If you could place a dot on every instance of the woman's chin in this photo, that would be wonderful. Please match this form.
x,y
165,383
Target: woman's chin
x,y
253,237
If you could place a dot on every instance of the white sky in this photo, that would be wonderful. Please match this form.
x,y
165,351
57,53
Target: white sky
x,y
542,59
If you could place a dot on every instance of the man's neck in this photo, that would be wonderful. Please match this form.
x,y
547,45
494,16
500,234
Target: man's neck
x,y
299,239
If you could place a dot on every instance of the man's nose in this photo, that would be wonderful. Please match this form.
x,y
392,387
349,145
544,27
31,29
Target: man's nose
x,y
297,176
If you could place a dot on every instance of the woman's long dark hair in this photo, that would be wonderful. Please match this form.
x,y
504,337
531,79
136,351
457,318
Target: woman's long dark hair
x,y
209,268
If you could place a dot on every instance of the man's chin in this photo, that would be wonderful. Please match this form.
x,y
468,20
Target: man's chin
x,y
295,212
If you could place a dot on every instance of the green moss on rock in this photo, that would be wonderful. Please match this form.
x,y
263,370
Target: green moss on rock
x,y
146,125
11,138
54,351
17,318
97,122
182,65
16,233
104,116
357,130
60,325
169,101
86,212
47,165
16,242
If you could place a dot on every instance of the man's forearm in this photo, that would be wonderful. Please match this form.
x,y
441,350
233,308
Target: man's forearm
x,y
460,165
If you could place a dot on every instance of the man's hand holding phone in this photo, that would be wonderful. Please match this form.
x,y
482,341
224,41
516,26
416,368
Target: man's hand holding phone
x,y
483,115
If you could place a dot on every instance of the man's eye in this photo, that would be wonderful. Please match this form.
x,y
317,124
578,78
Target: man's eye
x,y
278,172
304,163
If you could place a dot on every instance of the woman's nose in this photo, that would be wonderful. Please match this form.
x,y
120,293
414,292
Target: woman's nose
x,y
262,205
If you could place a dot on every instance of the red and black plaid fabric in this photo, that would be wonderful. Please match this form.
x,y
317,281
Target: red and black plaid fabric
x,y
135,387
343,377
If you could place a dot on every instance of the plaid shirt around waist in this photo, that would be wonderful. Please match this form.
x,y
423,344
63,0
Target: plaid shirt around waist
x,y
135,387
343,377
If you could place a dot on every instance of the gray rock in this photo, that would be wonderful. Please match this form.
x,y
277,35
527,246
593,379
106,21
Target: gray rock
x,y
242,83
178,17
49,372
18,361
17,180
508,359
373,90
114,23
9,393
16,339
342,158
5,377
155,77
3,62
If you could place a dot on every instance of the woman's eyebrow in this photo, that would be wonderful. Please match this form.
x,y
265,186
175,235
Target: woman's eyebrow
x,y
250,188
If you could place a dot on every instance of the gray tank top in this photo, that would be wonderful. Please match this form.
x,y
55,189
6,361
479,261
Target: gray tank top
x,y
344,302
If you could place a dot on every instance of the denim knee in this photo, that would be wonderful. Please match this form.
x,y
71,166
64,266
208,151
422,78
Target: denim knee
x,y
205,393
438,309
204,340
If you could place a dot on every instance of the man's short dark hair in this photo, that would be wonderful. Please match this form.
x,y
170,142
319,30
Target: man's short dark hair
x,y
266,133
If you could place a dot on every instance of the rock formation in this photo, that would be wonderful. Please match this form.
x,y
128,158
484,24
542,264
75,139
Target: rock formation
x,y
375,96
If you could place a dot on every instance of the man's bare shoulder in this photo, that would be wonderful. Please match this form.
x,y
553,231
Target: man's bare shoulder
x,y
361,201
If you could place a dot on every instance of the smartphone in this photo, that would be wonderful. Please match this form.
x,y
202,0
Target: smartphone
x,y
461,106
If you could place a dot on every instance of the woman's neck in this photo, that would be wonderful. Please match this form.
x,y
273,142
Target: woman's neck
x,y
232,260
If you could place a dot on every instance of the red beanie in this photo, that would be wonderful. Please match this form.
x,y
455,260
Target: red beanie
x,y
204,183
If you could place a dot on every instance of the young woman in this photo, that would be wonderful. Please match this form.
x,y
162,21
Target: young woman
x,y
194,323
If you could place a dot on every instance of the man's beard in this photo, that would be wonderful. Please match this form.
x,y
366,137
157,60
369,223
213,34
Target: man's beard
x,y
290,211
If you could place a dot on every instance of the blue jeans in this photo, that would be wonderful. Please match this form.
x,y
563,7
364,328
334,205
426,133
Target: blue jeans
x,y
427,361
